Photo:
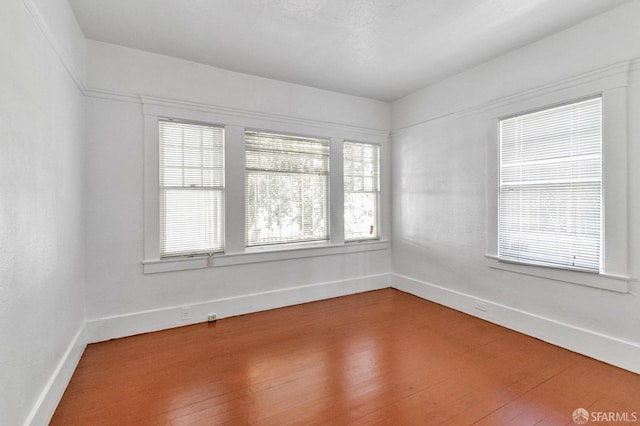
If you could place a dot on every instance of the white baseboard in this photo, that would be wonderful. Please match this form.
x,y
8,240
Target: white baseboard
x,y
102,329
608,349
623,354
50,396
142,322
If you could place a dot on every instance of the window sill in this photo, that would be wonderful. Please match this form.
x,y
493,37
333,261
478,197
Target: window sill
x,y
259,254
617,283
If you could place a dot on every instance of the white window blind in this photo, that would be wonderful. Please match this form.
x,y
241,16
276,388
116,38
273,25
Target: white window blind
x,y
287,188
361,190
191,188
550,209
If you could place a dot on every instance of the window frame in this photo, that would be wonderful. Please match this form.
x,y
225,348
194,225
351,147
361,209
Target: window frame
x,y
220,189
235,123
612,88
501,172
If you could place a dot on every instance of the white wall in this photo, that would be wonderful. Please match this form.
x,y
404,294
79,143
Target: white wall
x,y
121,299
41,212
442,193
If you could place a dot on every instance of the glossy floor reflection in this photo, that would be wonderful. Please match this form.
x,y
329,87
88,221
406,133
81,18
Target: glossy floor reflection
x,y
383,357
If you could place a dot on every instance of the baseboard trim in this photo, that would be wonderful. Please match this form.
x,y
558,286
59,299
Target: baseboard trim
x,y
114,327
50,396
617,352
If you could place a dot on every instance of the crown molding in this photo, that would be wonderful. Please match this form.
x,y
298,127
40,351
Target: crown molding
x,y
613,76
154,105
60,52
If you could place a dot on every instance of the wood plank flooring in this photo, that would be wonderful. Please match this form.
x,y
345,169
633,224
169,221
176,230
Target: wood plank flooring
x,y
376,358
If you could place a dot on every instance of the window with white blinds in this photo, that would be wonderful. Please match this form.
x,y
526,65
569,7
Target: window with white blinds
x,y
287,188
191,188
361,190
550,200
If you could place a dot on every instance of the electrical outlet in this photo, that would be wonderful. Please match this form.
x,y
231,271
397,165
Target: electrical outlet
x,y
481,306
185,313
211,317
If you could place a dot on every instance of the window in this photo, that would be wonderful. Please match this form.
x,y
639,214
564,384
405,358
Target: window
x,y
287,188
191,188
361,190
228,194
550,187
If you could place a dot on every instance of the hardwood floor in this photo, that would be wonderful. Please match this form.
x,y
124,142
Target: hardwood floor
x,y
383,357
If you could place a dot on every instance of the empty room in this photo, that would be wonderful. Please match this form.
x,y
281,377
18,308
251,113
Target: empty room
x,y
336,212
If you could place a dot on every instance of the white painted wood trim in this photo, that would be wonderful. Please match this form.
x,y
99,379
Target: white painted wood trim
x,y
260,254
52,393
62,54
101,329
244,115
618,352
617,283
235,116
610,83
235,253
606,78
336,191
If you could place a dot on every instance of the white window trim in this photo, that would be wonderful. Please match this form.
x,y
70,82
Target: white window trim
x,y
219,188
614,272
261,254
379,192
235,122
590,279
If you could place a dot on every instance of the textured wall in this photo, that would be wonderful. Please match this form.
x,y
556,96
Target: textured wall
x,y
41,207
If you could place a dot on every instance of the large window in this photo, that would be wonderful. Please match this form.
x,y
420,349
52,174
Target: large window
x,y
361,191
191,188
229,194
287,188
550,197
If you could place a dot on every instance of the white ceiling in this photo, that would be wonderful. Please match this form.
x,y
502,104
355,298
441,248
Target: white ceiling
x,y
381,49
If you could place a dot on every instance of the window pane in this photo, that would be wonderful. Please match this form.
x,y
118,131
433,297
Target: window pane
x,y
361,190
191,221
361,215
287,189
